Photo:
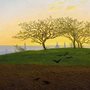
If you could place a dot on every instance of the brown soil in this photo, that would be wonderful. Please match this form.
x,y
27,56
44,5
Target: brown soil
x,y
41,77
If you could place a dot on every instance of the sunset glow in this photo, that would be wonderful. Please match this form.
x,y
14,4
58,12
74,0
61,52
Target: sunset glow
x,y
12,12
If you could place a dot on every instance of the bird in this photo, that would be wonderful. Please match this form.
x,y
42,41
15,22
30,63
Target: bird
x,y
60,55
68,57
57,61
36,79
66,53
46,82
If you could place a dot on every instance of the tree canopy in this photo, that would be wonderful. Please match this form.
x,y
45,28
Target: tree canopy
x,y
78,32
39,31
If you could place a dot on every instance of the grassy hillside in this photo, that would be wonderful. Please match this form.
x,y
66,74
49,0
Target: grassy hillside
x,y
67,57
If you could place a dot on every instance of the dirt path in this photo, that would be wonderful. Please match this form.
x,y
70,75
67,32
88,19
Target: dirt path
x,y
38,77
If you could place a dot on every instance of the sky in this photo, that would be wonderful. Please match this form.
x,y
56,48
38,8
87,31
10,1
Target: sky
x,y
13,12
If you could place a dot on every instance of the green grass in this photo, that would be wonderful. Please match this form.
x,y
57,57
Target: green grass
x,y
79,57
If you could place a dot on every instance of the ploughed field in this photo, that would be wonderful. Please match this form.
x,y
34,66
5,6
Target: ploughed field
x,y
44,77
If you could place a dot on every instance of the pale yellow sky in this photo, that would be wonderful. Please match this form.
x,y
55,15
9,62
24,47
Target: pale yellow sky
x,y
15,11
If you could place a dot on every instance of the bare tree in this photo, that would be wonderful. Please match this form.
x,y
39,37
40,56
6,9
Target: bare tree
x,y
84,35
39,31
70,29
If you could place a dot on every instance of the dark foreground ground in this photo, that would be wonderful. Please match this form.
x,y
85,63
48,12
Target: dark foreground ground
x,y
38,77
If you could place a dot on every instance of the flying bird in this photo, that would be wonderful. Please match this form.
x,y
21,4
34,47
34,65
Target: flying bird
x,y
57,61
36,79
46,82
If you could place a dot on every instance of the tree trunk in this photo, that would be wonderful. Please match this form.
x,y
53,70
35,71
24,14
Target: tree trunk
x,y
74,43
81,46
44,47
78,44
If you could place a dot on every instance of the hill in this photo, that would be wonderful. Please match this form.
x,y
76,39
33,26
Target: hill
x,y
65,57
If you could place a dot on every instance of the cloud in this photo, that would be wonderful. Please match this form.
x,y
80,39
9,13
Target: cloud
x,y
84,1
71,7
57,5
67,5
54,9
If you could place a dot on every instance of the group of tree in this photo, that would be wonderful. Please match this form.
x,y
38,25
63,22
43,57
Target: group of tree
x,y
78,32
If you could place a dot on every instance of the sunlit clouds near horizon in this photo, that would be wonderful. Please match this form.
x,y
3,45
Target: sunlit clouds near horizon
x,y
68,5
12,12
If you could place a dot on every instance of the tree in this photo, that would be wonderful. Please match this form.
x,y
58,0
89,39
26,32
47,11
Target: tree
x,y
70,29
84,35
39,31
